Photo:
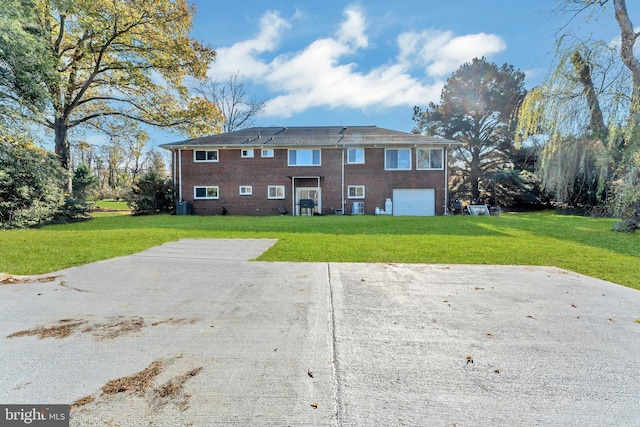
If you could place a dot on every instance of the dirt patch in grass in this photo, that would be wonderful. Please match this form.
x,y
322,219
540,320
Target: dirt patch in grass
x,y
137,383
62,329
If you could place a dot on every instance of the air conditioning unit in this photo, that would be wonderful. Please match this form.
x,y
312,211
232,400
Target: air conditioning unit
x,y
358,208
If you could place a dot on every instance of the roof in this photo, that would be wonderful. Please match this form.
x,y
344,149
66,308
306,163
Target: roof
x,y
310,136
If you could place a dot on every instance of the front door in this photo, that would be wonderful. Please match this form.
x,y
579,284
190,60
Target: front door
x,y
312,193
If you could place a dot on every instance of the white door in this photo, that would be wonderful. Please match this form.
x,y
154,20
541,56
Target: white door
x,y
414,202
312,193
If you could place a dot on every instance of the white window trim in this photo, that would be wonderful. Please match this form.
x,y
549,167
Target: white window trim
x,y
195,197
430,169
356,162
398,169
277,187
205,161
305,149
248,190
349,196
269,153
247,153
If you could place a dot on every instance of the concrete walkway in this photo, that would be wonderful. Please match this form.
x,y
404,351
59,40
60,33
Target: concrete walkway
x,y
193,333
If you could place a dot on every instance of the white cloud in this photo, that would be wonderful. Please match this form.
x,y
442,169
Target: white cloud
x,y
244,56
320,74
440,53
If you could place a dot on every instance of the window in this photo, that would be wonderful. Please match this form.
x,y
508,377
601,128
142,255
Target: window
x,y
267,152
205,192
355,191
355,155
275,192
205,155
246,190
397,159
247,153
304,157
429,158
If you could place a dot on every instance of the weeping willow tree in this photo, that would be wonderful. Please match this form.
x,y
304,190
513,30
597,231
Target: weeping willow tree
x,y
586,117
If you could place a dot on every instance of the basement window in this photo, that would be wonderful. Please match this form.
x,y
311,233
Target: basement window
x,y
203,193
355,191
275,192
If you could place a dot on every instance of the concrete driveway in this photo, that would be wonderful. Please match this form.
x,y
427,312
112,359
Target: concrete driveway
x,y
191,333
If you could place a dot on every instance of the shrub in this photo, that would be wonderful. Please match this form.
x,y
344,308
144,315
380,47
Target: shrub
x,y
32,185
151,194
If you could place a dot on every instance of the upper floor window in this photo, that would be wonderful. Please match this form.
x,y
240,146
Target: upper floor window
x,y
397,159
355,155
429,158
267,152
246,190
205,155
246,153
304,157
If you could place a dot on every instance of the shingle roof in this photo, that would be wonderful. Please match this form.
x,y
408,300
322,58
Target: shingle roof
x,y
311,136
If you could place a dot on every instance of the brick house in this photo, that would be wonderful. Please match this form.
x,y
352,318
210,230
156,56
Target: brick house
x,y
269,170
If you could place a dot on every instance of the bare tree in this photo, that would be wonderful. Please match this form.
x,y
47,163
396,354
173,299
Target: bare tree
x,y
231,98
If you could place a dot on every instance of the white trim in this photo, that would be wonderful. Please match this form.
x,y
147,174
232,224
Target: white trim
x,y
248,190
206,156
247,153
207,187
270,153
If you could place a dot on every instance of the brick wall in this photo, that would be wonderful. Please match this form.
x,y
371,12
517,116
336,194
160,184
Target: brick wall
x,y
231,171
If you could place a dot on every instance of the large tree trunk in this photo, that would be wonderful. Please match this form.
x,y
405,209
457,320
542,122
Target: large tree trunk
x,y
60,129
629,166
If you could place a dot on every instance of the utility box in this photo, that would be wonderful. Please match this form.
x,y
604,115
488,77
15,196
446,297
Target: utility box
x,y
183,208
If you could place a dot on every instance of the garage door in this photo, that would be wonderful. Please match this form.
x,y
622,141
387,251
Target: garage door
x,y
414,202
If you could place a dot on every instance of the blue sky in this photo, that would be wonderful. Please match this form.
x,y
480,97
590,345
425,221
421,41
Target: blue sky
x,y
368,63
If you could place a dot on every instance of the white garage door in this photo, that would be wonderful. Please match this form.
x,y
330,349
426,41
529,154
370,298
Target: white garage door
x,y
414,202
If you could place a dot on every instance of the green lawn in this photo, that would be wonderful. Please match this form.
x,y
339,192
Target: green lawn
x,y
580,244
112,205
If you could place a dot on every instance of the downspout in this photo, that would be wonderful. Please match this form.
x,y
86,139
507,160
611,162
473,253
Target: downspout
x,y
293,195
174,168
344,149
446,179
180,174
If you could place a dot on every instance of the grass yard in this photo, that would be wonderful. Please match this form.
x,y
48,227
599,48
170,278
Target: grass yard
x,y
584,245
